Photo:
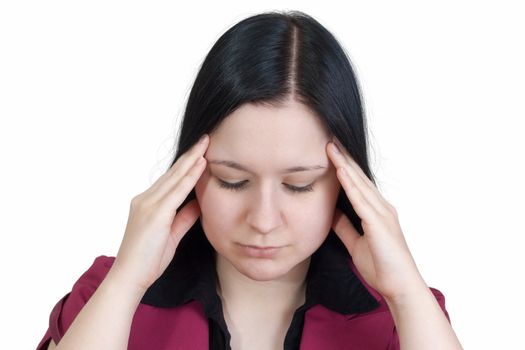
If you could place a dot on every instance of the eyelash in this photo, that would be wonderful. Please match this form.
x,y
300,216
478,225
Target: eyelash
x,y
238,186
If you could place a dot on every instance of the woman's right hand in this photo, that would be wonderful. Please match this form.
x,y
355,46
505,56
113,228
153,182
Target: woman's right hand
x,y
156,225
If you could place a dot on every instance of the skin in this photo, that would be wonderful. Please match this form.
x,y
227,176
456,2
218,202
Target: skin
x,y
265,212
383,258
157,222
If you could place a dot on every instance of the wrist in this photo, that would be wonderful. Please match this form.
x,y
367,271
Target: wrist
x,y
413,294
119,281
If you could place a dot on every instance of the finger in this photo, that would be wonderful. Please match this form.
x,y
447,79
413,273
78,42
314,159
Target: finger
x,y
181,167
357,169
362,174
360,204
370,194
354,164
346,231
347,155
185,219
179,191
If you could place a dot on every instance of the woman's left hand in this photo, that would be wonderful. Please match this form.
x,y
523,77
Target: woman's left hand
x,y
381,255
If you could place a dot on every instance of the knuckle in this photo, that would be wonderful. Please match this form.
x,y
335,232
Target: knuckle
x,y
391,215
184,157
135,200
138,202
392,210
186,180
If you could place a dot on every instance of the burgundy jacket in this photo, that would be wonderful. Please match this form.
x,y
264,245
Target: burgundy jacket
x,y
341,310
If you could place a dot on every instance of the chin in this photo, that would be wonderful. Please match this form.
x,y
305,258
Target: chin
x,y
262,269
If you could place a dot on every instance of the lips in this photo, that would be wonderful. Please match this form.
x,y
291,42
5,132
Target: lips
x,y
260,247
258,252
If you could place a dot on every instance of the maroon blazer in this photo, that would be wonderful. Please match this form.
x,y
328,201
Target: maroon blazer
x,y
171,318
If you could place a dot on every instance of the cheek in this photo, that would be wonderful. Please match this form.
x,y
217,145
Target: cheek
x,y
310,232
320,207
217,215
315,217
310,213
207,196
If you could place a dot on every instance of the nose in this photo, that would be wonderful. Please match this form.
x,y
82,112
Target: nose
x,y
265,212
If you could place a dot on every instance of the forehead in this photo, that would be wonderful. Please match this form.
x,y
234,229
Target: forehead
x,y
268,139
292,126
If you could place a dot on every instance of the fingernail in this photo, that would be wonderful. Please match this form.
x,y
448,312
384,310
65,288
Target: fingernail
x,y
203,138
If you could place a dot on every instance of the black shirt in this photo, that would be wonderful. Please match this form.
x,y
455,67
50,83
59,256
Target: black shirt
x,y
191,275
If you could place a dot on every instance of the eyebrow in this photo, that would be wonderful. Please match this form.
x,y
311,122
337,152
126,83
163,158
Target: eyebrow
x,y
235,165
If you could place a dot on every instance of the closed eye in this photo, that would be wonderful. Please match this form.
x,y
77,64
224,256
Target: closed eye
x,y
238,186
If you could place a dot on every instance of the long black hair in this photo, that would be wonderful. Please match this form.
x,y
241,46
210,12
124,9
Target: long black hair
x,y
268,59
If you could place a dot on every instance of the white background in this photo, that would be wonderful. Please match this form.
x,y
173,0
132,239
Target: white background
x,y
91,94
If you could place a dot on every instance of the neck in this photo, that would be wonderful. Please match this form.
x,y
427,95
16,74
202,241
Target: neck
x,y
281,295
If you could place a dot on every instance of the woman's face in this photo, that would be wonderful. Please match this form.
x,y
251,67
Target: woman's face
x,y
265,210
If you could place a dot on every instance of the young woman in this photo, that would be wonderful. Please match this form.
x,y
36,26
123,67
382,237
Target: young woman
x,y
267,233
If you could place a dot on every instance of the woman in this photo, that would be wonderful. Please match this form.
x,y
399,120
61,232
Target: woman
x,y
261,235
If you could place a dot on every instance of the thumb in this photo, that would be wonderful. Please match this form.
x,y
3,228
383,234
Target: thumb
x,y
346,231
184,219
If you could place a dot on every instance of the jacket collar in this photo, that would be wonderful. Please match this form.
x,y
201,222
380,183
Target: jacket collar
x,y
191,275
